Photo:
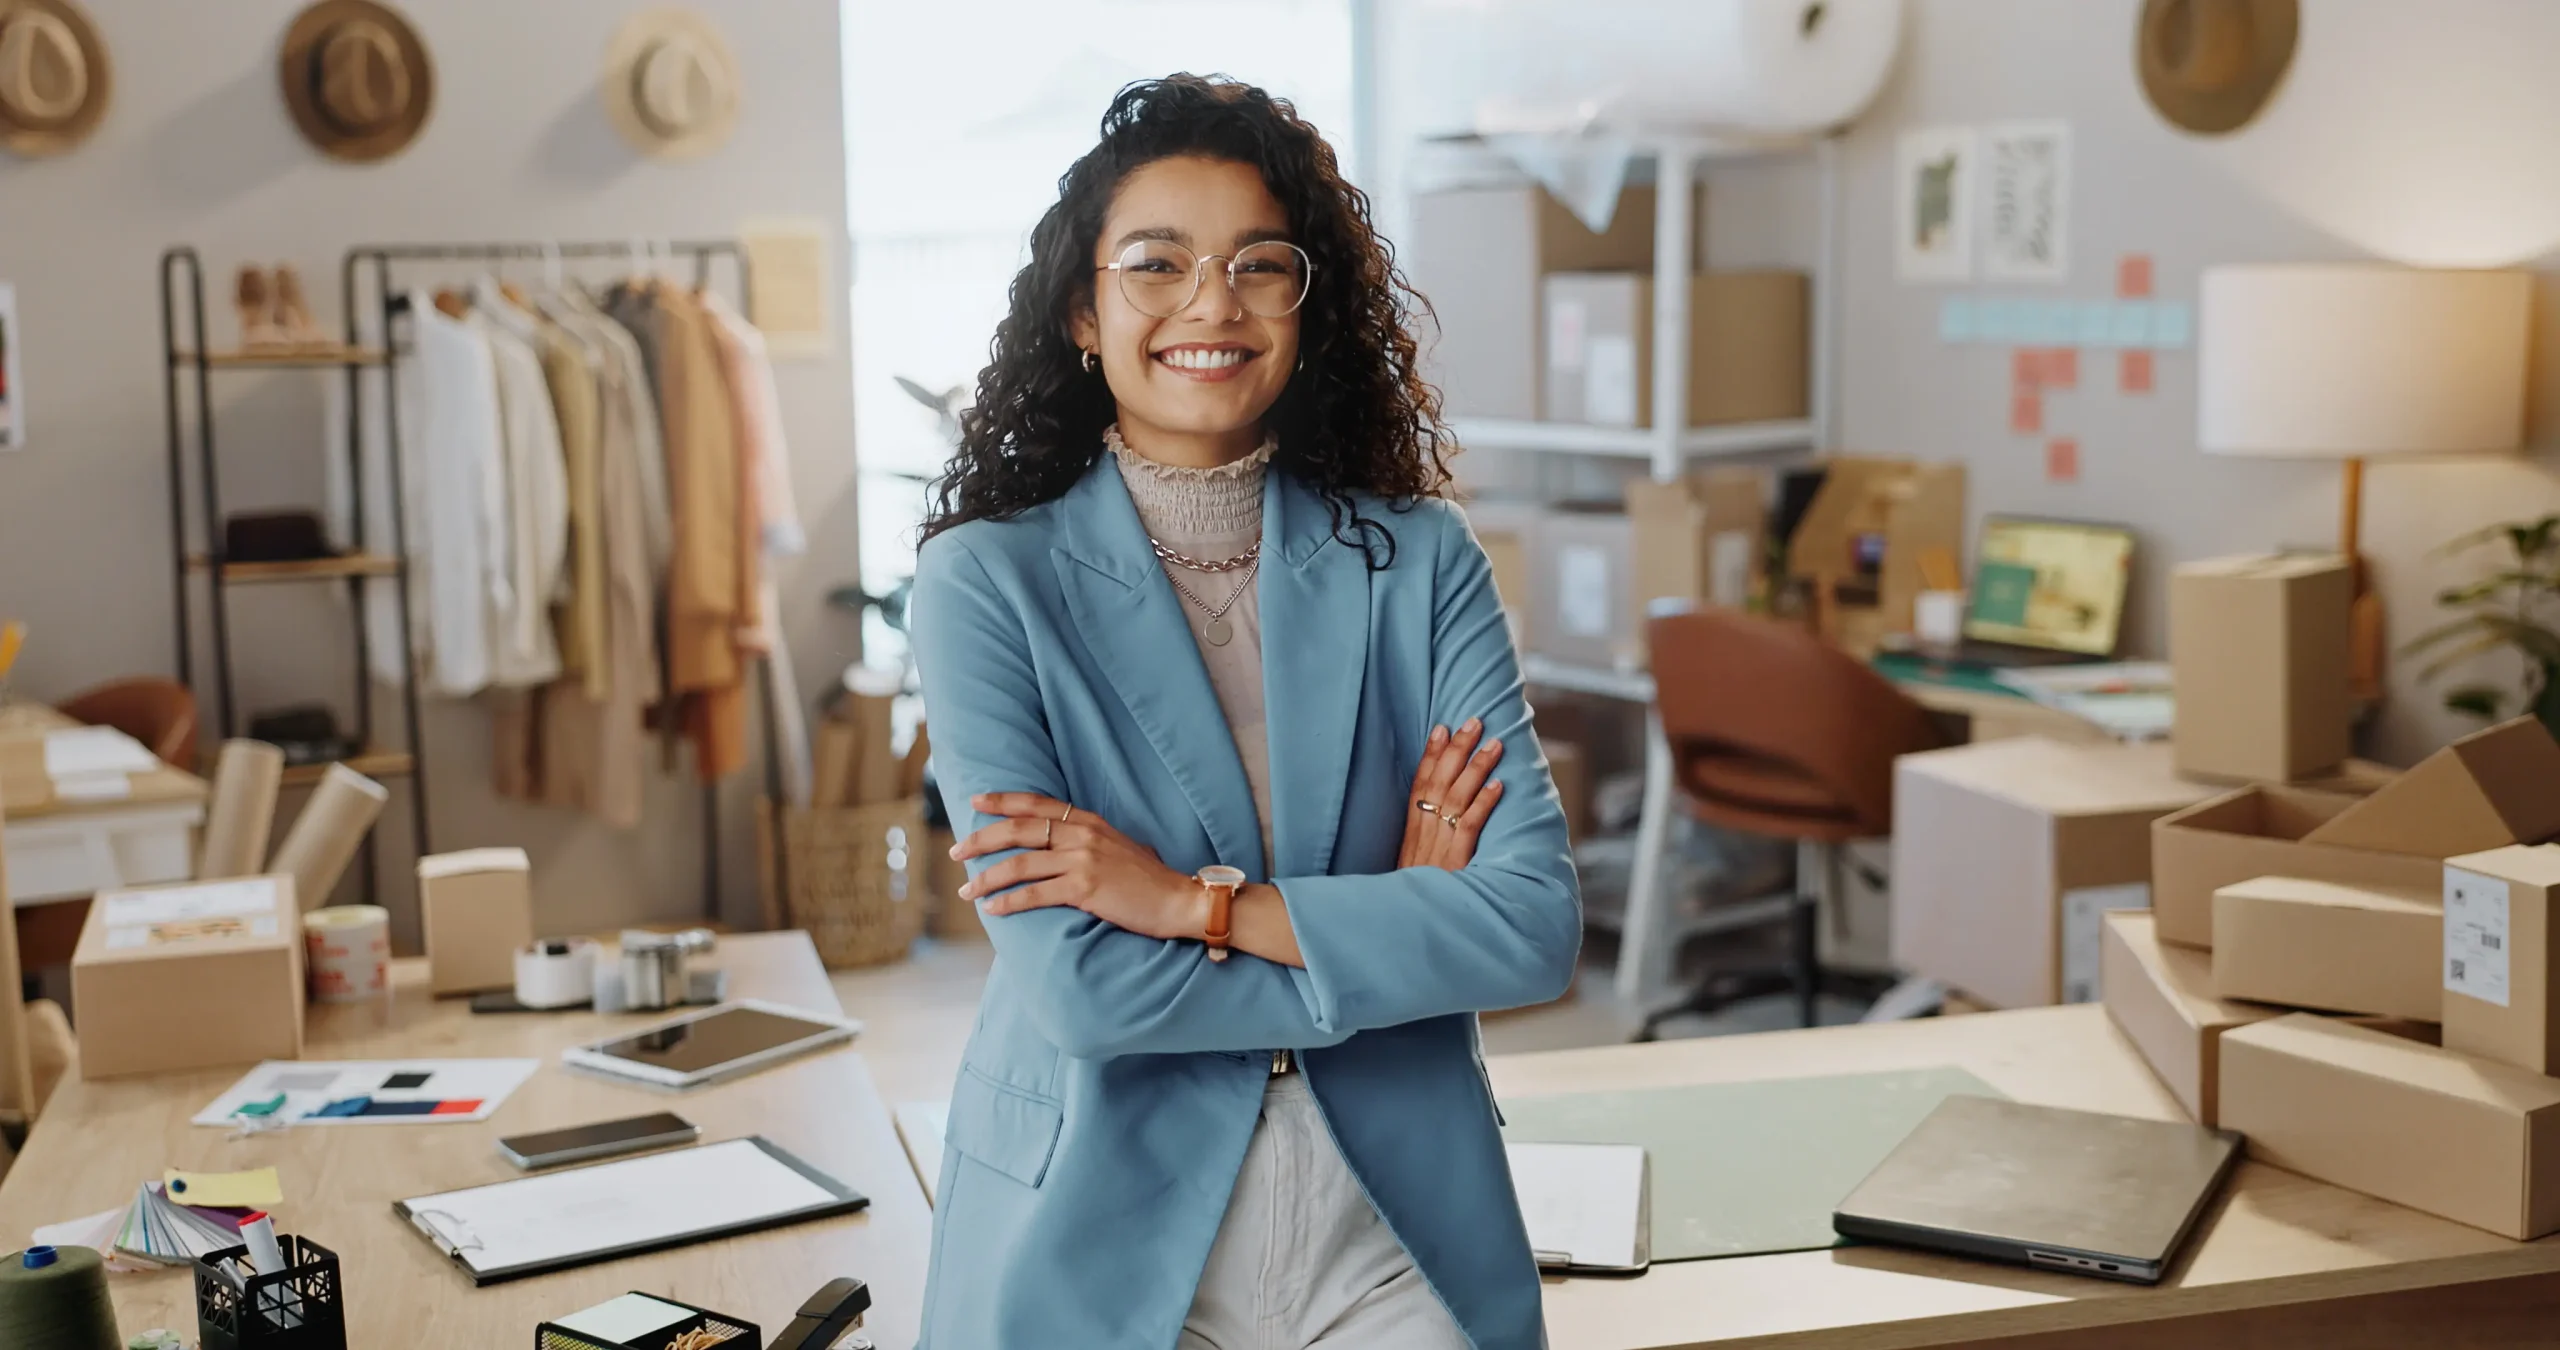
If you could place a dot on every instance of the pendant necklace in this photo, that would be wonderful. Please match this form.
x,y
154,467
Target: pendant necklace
x,y
1217,631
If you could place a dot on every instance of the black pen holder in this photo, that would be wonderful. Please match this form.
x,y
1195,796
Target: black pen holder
x,y
301,1307
733,1333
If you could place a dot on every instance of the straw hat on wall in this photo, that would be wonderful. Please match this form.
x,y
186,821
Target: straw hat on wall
x,y
356,79
671,84
2210,65
54,77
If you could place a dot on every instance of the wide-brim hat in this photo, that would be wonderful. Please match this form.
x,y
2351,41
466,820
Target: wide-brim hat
x,y
54,77
671,84
357,79
2210,65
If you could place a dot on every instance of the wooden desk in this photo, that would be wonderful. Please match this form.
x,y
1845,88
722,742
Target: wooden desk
x,y
2282,1260
96,1142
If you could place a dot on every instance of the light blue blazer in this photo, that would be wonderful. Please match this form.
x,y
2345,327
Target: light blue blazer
x,y
1113,1080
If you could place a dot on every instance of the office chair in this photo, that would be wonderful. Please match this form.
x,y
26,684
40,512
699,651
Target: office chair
x,y
159,713
1775,732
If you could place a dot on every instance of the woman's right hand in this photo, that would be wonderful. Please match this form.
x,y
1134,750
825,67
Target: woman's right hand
x,y
1454,792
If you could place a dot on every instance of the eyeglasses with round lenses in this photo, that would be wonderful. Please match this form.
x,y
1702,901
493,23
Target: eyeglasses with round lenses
x,y
1160,278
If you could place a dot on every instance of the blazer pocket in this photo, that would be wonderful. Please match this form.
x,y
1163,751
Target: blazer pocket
x,y
1005,1128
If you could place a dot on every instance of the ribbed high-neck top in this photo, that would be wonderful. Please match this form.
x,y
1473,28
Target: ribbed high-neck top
x,y
1212,515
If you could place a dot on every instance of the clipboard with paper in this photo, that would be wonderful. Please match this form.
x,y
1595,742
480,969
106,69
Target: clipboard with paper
x,y
1588,1207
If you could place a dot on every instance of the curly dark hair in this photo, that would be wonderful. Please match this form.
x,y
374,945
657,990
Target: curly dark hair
x,y
1355,419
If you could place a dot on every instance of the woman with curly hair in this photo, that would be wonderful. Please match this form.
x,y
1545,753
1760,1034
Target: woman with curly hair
x,y
1222,689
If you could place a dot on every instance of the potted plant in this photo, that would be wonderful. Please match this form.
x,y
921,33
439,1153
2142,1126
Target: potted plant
x,y
2512,606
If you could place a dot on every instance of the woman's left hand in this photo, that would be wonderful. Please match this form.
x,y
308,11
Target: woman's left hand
x,y
1078,859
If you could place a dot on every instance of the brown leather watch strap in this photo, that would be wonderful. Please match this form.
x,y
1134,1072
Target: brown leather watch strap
x,y
1222,883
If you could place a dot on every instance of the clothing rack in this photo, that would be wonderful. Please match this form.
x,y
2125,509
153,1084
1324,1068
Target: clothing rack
x,y
377,263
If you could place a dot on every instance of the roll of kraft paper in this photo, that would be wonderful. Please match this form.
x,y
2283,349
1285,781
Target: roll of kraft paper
x,y
324,837
56,1299
556,973
350,952
243,815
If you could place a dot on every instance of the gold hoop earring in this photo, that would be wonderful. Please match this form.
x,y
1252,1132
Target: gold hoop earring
x,y
1088,360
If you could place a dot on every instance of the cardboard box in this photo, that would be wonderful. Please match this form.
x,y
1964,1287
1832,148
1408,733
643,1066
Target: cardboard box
x,y
1747,348
2008,854
189,976
2472,1141
1573,787
475,909
2501,956
1507,531
2488,790
2162,998
1702,539
1583,608
2318,944
2258,648
1860,544
2259,831
1477,254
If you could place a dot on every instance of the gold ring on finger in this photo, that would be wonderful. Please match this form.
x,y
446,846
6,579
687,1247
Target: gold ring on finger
x,y
1066,815
1428,809
1450,821
1049,835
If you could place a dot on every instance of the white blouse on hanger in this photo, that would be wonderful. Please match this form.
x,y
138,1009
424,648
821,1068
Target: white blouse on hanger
x,y
535,503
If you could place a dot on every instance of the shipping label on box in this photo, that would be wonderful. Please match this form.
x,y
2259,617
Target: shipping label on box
x,y
2084,919
2475,936
241,908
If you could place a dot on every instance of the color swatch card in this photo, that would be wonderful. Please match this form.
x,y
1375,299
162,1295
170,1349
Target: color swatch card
x,y
370,1092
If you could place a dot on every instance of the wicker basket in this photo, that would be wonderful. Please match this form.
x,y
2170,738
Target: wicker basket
x,y
951,918
854,878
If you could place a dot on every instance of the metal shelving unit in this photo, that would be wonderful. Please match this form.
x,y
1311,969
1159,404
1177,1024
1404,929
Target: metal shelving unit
x,y
1669,444
191,365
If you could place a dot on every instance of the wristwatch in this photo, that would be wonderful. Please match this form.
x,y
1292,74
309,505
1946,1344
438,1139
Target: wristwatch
x,y
1222,884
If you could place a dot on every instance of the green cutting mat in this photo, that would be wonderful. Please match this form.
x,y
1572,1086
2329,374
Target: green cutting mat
x,y
1745,1168
1911,668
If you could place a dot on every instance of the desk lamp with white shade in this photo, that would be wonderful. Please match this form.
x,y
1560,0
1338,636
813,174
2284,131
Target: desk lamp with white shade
x,y
2359,361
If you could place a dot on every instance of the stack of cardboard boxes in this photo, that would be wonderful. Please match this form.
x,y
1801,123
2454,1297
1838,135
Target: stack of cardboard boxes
x,y
2362,986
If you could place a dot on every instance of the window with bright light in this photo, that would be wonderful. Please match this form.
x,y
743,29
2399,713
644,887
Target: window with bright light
x,y
950,171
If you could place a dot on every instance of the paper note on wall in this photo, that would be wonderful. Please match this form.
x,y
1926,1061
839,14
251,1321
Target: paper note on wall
x,y
1609,381
1583,591
787,284
2084,912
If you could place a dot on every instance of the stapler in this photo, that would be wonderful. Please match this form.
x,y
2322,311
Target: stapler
x,y
822,1321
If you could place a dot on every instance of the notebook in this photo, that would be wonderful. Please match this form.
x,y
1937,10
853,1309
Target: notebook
x,y
584,1215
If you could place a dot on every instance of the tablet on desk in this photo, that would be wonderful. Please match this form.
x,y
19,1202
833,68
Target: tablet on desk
x,y
712,1044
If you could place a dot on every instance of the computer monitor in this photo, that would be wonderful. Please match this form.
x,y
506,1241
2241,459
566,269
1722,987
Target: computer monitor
x,y
2051,584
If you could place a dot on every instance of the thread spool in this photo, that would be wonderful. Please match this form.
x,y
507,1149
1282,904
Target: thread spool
x,y
243,815
56,1299
324,837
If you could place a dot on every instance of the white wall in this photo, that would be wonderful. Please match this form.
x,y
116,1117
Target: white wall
x,y
2412,132
198,149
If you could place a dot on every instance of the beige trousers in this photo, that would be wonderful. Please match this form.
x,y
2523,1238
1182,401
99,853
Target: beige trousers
x,y
1302,1260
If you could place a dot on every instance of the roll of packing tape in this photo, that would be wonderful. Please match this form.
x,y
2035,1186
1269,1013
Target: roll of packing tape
x,y
350,951
555,973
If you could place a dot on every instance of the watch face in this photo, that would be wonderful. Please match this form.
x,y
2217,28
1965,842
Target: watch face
x,y
1221,876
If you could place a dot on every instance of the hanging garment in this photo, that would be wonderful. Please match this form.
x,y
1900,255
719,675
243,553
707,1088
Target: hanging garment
x,y
756,410
536,503
712,583
452,469
639,397
569,371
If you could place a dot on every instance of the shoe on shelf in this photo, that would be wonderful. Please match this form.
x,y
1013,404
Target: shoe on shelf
x,y
253,298
293,316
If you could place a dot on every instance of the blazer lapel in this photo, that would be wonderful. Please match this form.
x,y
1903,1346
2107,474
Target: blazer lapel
x,y
1135,628
1315,653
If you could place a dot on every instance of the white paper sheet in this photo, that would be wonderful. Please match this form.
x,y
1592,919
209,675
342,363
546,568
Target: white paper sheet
x,y
559,1216
87,752
1585,1201
311,1084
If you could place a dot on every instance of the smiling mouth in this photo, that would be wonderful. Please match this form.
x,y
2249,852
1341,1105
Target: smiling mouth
x,y
1205,358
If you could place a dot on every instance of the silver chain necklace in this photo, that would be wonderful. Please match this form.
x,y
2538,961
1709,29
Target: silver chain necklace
x,y
1217,631
1184,560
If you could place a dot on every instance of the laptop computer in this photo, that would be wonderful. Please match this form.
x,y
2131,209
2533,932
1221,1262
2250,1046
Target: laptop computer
x,y
2046,592
2108,1196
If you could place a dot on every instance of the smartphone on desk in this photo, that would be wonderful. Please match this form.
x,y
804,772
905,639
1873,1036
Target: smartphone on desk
x,y
605,1139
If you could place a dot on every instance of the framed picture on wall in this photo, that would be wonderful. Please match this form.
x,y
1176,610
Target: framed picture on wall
x,y
13,397
2027,201
1933,204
